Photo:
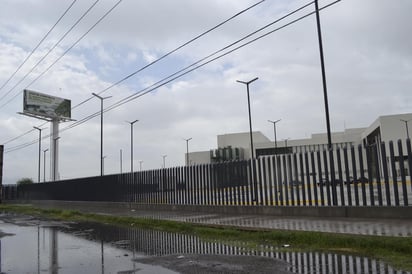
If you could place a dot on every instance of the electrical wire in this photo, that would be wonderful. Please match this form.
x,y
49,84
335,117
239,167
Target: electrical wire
x,y
36,47
196,65
50,50
171,52
160,58
184,71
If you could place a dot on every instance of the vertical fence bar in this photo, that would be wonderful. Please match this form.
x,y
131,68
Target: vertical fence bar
x,y
409,151
370,174
315,188
205,185
231,182
362,175
347,177
309,186
249,183
270,181
341,181
355,176
290,179
333,178
281,176
276,172
328,182
394,173
378,173
385,174
403,176
322,196
262,180
296,176
285,179
302,178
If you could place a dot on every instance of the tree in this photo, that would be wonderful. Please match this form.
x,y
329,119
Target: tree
x,y
25,181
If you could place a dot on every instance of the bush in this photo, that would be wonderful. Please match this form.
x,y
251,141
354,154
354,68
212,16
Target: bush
x,y
25,181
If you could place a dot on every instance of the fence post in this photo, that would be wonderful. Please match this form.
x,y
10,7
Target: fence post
x,y
394,175
403,177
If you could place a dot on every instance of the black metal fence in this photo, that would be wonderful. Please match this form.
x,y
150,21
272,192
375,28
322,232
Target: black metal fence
x,y
373,175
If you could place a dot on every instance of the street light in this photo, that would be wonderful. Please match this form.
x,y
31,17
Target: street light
x,y
140,162
251,137
250,116
164,161
101,130
39,129
187,150
274,130
44,164
131,143
406,126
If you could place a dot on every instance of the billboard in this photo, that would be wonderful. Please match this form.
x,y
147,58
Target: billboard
x,y
40,104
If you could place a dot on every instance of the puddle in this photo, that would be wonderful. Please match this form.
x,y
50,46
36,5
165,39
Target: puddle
x,y
28,245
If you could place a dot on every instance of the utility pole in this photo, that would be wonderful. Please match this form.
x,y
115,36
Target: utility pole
x,y
101,130
274,130
254,180
131,144
322,64
187,150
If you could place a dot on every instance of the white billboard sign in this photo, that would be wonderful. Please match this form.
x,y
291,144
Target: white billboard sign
x,y
40,104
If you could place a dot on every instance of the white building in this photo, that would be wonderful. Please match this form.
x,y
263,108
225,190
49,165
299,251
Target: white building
x,y
237,145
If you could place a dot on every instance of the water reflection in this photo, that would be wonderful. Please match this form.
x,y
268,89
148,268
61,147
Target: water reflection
x,y
96,248
160,243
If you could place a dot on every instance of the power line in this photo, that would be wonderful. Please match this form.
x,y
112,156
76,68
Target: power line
x,y
36,47
184,71
155,61
50,50
170,52
196,65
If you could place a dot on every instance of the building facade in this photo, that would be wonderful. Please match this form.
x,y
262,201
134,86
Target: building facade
x,y
389,128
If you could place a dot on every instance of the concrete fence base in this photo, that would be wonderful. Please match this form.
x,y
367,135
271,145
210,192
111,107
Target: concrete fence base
x,y
290,211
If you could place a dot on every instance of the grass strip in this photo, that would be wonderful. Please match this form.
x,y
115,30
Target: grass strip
x,y
396,251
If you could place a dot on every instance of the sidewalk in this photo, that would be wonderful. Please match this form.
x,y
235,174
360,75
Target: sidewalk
x,y
386,227
364,226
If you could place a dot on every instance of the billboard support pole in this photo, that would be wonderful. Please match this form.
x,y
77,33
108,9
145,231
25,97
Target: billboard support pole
x,y
54,152
1,172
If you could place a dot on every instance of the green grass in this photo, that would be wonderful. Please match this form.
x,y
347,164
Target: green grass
x,y
396,251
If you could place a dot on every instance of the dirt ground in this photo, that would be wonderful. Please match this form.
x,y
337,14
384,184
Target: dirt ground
x,y
222,264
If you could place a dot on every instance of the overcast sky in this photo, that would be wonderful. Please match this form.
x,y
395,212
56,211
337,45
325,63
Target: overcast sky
x,y
368,57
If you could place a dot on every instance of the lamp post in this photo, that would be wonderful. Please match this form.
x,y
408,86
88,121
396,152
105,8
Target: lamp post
x,y
406,126
187,150
250,115
44,164
274,130
251,137
140,163
164,160
322,64
101,130
39,129
131,144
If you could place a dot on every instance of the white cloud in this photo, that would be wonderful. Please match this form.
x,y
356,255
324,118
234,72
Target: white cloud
x,y
368,66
